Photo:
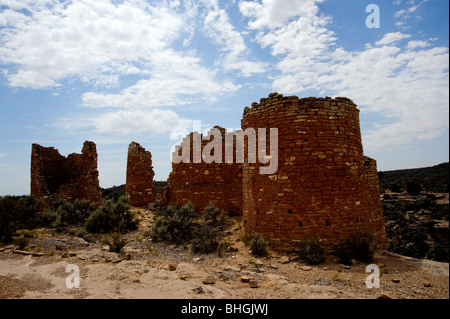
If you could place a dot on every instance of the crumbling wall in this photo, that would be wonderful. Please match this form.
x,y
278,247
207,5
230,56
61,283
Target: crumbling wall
x,y
55,177
374,206
320,187
139,180
201,182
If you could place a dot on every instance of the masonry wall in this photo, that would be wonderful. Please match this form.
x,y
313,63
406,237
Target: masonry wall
x,y
54,176
374,206
201,182
139,180
320,187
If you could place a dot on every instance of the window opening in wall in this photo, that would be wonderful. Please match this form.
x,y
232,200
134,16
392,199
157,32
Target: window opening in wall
x,y
300,224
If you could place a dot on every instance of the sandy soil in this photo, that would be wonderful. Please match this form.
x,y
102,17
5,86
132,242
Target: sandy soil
x,y
145,270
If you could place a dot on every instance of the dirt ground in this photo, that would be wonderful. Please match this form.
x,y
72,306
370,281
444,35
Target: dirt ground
x,y
146,270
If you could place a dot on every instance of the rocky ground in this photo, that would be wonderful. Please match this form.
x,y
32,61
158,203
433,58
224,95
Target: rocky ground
x,y
154,270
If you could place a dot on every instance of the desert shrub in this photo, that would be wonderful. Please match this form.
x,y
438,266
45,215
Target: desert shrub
x,y
153,206
111,217
360,246
413,188
31,207
10,217
258,245
311,251
115,242
215,216
438,253
174,224
343,253
395,188
22,242
205,239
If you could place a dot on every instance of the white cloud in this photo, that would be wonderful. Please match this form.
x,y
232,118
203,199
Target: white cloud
x,y
94,40
417,44
407,90
233,50
392,38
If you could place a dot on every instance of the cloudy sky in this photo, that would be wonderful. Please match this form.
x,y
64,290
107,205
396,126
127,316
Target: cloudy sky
x,y
116,71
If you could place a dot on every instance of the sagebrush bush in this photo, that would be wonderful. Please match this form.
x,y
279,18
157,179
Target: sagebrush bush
x,y
360,246
111,217
116,242
258,245
205,239
215,216
311,251
10,217
175,224
22,242
343,253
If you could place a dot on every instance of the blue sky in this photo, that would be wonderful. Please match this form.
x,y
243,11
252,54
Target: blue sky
x,y
115,71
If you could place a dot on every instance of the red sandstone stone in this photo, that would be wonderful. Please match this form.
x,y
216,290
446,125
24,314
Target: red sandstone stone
x,y
55,177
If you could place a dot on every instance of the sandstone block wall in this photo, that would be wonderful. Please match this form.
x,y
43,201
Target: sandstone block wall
x,y
374,205
54,176
201,182
139,180
320,188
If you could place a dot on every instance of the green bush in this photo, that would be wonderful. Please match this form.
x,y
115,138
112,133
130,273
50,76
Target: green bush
x,y
111,217
413,188
311,251
258,245
205,240
153,206
115,242
215,216
343,253
10,217
395,188
360,246
22,242
175,224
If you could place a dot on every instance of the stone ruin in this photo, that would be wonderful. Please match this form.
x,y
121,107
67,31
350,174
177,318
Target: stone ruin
x,y
200,182
139,180
55,177
323,187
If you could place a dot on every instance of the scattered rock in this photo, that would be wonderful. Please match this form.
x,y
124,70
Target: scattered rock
x,y
182,276
64,255
172,267
61,247
427,284
294,258
384,296
136,281
347,267
253,284
198,290
246,278
210,280
117,261
196,260
395,280
129,257
232,268
108,260
284,260
306,268
95,260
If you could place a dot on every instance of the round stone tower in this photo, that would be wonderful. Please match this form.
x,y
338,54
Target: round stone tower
x,y
320,186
